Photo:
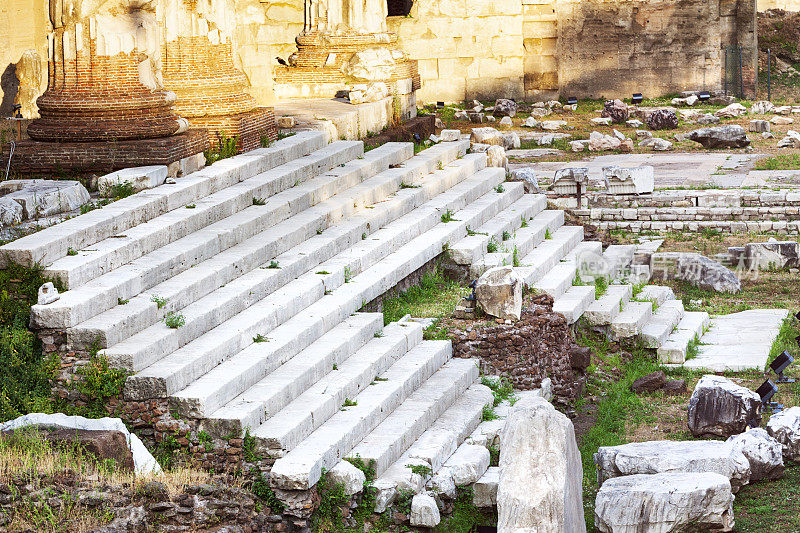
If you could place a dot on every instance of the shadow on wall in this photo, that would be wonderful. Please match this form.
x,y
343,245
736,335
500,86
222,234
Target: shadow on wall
x,y
613,49
9,84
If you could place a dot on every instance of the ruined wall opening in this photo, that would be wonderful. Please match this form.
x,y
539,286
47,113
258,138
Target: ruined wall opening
x,y
399,8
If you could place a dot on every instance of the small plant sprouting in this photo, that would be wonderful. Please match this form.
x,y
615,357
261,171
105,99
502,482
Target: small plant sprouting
x,y
547,234
491,246
363,236
260,338
441,166
319,231
121,301
471,232
378,334
274,264
404,185
335,367
421,470
259,201
347,274
174,320
488,413
500,188
600,287
515,257
524,222
506,235
190,206
71,251
380,379
323,272
160,302
447,216
348,403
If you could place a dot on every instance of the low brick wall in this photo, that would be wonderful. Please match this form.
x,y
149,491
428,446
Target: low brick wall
x,y
538,346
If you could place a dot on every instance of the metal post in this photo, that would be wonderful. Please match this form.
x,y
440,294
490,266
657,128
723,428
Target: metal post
x,y
769,74
579,193
741,77
725,78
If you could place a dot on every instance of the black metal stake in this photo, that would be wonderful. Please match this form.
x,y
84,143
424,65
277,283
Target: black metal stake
x,y
725,79
769,74
741,77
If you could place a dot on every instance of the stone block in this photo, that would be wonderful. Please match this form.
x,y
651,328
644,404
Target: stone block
x,y
637,180
41,198
140,178
720,407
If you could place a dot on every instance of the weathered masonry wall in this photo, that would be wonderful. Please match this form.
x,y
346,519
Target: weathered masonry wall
x,y
465,48
586,48
649,46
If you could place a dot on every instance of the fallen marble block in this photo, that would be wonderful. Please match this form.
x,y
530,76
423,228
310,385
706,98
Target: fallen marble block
x,y
676,501
785,428
656,457
719,407
764,453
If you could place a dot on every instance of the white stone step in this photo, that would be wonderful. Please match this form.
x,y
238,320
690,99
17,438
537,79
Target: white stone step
x,y
603,311
557,280
662,323
277,187
52,243
630,321
484,491
585,251
549,253
439,441
301,468
471,248
574,302
528,238
103,293
618,257
690,328
406,424
296,375
490,260
293,423
237,372
191,286
655,293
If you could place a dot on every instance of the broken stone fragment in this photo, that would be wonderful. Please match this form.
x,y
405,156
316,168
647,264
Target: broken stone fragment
x,y
47,294
499,293
719,407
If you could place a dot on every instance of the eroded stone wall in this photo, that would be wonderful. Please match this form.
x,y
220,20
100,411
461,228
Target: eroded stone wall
x,y
23,31
786,5
465,48
613,49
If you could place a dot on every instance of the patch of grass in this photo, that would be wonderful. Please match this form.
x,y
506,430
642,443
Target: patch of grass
x,y
349,403
506,235
600,287
122,301
617,404
772,506
225,147
404,185
274,264
547,234
71,251
692,348
502,389
447,216
500,189
260,338
120,190
190,206
259,201
433,297
786,339
779,162
492,246
524,222
174,320
465,515
488,413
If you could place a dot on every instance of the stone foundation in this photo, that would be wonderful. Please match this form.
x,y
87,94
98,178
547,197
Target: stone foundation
x,y
538,346
44,157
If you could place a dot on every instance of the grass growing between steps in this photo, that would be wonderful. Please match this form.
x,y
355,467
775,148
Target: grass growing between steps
x,y
433,297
